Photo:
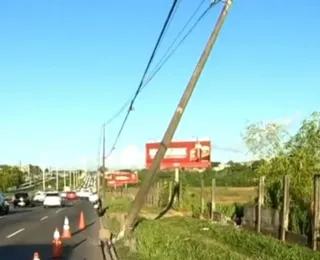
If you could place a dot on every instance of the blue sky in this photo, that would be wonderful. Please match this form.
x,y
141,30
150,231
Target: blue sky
x,y
67,66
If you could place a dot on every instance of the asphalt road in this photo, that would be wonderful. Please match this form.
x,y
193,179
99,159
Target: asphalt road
x,y
25,231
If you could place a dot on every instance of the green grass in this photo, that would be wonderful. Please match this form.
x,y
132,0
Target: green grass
x,y
187,238
118,205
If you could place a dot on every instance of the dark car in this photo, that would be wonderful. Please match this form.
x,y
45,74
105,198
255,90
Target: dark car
x,y
22,199
4,205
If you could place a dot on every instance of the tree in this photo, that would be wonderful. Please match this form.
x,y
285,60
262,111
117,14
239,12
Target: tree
x,y
297,155
215,164
10,177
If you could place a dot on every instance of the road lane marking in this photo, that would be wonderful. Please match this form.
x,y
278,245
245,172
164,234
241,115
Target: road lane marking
x,y
45,217
59,210
15,233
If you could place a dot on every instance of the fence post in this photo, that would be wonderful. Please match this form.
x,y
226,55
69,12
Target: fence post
x,y
202,196
158,188
260,201
285,208
170,191
180,194
316,200
153,194
126,189
213,197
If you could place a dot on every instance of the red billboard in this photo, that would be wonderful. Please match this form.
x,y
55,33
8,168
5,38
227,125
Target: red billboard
x,y
187,154
118,179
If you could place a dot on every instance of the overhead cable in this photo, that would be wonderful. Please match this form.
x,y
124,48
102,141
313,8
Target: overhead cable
x,y
163,60
163,30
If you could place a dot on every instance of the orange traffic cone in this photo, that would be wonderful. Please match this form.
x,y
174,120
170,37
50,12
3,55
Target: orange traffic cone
x,y
82,224
36,256
56,245
66,229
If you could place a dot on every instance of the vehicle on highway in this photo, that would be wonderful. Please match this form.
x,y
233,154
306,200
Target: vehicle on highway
x,y
7,207
63,194
39,197
53,199
84,194
66,189
71,195
4,205
22,199
93,197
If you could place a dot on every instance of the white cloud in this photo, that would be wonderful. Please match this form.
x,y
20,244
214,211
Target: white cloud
x,y
128,157
286,122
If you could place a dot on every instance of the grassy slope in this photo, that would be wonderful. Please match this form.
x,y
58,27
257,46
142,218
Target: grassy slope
x,y
186,238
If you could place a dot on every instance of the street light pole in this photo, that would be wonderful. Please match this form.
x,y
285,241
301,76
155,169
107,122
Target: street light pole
x,y
43,179
75,179
64,180
57,179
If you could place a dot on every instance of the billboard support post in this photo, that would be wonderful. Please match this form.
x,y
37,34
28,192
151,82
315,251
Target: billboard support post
x,y
173,125
176,175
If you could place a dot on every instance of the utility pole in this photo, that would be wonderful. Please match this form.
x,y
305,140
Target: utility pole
x,y
103,160
167,138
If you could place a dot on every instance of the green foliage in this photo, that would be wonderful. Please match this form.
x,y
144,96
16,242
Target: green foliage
x,y
297,155
35,170
10,177
236,175
186,238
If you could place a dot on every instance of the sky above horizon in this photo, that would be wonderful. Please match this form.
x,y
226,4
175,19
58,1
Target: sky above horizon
x,y
66,67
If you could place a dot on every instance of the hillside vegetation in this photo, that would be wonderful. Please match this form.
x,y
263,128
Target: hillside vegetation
x,y
187,238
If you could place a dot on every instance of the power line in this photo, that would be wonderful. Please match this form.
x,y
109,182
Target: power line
x,y
163,60
165,27
181,31
169,54
163,30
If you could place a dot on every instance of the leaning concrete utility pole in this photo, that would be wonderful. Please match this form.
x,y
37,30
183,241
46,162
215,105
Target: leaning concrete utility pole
x,y
103,161
167,138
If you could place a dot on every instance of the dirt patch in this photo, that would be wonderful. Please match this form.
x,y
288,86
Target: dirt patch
x,y
169,214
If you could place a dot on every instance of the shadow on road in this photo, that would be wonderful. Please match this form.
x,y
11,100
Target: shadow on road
x,y
80,230
26,252
18,211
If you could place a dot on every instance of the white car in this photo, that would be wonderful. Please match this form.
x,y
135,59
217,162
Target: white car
x,y
53,199
39,197
93,197
84,194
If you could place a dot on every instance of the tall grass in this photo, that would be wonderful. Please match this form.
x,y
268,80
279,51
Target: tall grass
x,y
186,238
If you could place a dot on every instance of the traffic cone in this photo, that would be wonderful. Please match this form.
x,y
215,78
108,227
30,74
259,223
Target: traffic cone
x,y
56,245
66,229
36,256
82,224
